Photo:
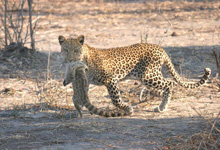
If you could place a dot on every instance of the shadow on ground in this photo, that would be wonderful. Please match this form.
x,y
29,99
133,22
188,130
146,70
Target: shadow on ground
x,y
51,132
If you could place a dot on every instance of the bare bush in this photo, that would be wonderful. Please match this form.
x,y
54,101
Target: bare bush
x,y
17,22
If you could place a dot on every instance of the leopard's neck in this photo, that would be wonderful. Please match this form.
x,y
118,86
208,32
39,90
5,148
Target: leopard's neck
x,y
85,53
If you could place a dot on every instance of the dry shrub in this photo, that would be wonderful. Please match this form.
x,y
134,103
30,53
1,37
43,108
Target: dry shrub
x,y
52,94
207,139
16,22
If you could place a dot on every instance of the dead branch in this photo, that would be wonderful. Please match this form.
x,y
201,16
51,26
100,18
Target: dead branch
x,y
48,66
5,23
217,63
168,29
20,23
30,22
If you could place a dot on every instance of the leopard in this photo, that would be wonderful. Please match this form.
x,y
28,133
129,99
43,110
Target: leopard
x,y
140,61
76,74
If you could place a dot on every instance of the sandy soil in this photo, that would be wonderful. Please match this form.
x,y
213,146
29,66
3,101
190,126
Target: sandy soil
x,y
28,92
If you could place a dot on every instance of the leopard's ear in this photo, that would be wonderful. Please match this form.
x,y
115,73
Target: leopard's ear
x,y
81,39
61,39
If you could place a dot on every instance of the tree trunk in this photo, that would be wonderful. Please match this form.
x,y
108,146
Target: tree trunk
x,y
30,21
6,36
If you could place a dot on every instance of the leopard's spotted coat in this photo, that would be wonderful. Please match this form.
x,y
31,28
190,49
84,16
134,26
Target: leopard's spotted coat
x,y
142,61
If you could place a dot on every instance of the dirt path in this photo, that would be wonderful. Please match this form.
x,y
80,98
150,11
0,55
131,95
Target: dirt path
x,y
54,129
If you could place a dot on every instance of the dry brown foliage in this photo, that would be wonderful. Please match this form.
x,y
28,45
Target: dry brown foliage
x,y
207,139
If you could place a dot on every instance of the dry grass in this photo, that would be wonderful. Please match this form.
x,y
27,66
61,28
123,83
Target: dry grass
x,y
52,92
207,139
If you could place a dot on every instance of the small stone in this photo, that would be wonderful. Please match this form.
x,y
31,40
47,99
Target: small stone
x,y
174,34
135,83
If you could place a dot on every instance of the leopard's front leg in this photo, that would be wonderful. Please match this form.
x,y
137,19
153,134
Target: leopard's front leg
x,y
114,94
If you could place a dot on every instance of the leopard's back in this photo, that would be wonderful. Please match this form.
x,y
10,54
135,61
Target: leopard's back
x,y
124,62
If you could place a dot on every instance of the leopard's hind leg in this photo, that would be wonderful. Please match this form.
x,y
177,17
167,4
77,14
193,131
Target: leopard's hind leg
x,y
167,93
154,79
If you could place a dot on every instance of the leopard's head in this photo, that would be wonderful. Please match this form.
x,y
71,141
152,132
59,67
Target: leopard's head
x,y
71,48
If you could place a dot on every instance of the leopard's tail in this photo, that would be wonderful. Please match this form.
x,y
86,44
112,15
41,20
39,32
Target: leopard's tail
x,y
93,109
178,79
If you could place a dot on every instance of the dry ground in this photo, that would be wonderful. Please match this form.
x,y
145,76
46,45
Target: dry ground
x,y
29,94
